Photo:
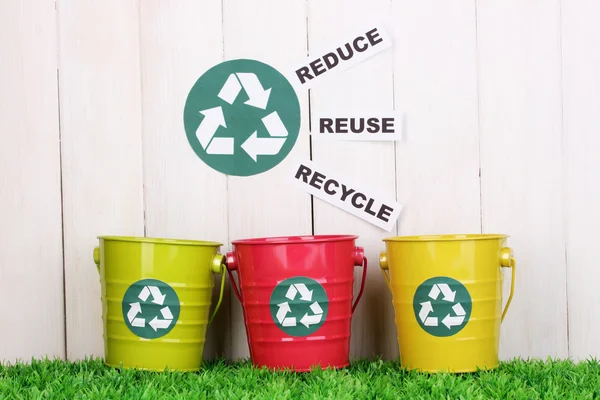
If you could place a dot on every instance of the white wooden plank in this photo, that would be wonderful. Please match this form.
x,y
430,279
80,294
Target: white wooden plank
x,y
273,32
31,267
522,177
183,196
581,124
100,111
367,87
435,82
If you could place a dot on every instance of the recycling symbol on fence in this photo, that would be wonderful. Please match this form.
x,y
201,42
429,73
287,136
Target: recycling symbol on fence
x,y
150,308
242,117
442,306
299,306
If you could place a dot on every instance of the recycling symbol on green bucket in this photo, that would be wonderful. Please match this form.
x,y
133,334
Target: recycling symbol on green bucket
x,y
150,308
299,306
442,306
242,117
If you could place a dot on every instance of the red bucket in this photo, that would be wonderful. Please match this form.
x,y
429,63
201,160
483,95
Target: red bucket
x,y
296,293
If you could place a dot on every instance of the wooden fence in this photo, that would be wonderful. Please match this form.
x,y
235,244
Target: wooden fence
x,y
501,102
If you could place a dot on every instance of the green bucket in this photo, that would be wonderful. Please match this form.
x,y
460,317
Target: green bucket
x,y
156,300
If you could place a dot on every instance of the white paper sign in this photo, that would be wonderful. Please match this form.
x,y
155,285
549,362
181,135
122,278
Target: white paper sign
x,y
364,126
364,43
338,190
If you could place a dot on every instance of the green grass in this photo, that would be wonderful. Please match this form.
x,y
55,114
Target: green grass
x,y
90,379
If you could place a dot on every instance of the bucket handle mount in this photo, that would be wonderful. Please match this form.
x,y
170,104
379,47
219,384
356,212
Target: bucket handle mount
x,y
97,257
507,260
231,264
217,266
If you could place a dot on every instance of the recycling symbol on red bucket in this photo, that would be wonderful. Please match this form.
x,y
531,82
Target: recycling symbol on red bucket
x,y
299,306
442,306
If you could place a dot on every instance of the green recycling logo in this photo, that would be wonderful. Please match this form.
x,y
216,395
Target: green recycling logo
x,y
150,308
299,306
442,306
242,117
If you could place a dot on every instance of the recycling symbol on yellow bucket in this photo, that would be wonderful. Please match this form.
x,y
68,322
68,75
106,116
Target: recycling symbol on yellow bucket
x,y
442,306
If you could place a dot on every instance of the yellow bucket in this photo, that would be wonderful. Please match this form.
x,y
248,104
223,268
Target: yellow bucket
x,y
447,297
156,298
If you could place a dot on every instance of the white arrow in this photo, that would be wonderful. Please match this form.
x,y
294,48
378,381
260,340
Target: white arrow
x,y
426,308
284,308
309,320
316,308
134,309
166,313
431,321
157,296
448,294
258,97
255,146
458,309
221,145
139,322
230,89
434,292
213,118
289,322
306,294
291,293
274,125
452,321
144,294
159,323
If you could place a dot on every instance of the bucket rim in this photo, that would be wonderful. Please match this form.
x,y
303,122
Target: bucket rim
x,y
448,237
156,240
294,239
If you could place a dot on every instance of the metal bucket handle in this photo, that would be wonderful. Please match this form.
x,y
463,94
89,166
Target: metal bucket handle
x,y
359,260
507,260
217,266
383,265
232,265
